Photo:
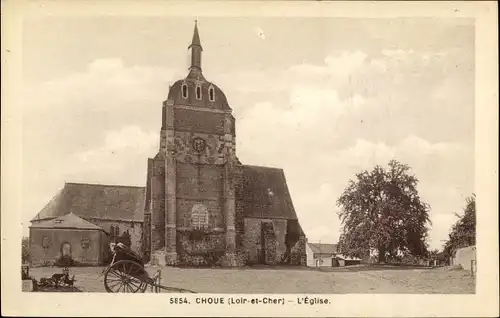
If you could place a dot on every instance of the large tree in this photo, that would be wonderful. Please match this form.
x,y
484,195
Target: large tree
x,y
463,232
381,210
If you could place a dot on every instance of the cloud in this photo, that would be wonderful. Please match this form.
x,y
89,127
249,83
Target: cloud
x,y
306,123
442,224
322,123
121,146
398,54
364,154
318,165
341,64
105,84
99,125
106,96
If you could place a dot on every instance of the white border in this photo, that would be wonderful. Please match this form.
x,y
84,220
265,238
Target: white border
x,y
483,303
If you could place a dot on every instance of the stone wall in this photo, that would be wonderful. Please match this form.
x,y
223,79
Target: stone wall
x,y
134,229
464,257
146,226
145,248
279,226
199,180
275,242
158,204
298,254
215,151
239,219
199,121
252,239
199,184
86,246
198,249
269,243
215,214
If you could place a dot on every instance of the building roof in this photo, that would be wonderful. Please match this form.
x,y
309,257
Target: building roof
x,y
196,36
265,193
192,80
318,248
347,258
112,202
68,221
195,79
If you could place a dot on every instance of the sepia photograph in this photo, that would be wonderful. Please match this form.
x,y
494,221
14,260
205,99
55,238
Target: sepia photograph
x,y
220,155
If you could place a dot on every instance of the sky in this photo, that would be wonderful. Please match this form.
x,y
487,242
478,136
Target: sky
x,y
322,98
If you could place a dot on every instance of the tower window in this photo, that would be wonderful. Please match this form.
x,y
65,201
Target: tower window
x,y
211,94
198,92
184,91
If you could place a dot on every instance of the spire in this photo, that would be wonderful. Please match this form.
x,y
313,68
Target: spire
x,y
196,36
196,48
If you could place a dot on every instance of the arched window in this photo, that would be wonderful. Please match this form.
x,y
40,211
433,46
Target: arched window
x,y
199,216
198,91
211,94
184,91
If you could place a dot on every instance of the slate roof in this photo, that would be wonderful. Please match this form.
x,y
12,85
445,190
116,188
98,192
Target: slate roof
x,y
347,258
68,221
112,202
265,193
192,80
318,248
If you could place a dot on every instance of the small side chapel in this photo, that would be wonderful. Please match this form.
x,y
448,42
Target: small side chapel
x,y
201,206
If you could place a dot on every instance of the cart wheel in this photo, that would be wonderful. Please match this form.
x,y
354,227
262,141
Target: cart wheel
x,y
125,277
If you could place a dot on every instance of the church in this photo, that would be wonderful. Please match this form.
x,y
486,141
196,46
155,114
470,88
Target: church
x,y
200,205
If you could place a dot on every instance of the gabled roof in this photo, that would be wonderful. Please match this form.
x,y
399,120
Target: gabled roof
x,y
68,221
112,202
318,248
265,193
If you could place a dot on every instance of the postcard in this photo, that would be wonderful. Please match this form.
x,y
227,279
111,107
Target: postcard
x,y
288,158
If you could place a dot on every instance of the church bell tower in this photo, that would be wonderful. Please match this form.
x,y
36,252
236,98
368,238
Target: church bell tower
x,y
190,215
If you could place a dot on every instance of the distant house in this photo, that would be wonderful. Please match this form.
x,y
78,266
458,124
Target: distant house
x,y
83,213
321,255
343,260
67,240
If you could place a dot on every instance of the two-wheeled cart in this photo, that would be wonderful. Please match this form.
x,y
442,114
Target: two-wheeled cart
x,y
126,274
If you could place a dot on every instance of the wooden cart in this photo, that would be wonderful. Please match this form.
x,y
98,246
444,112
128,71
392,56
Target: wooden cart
x,y
126,274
